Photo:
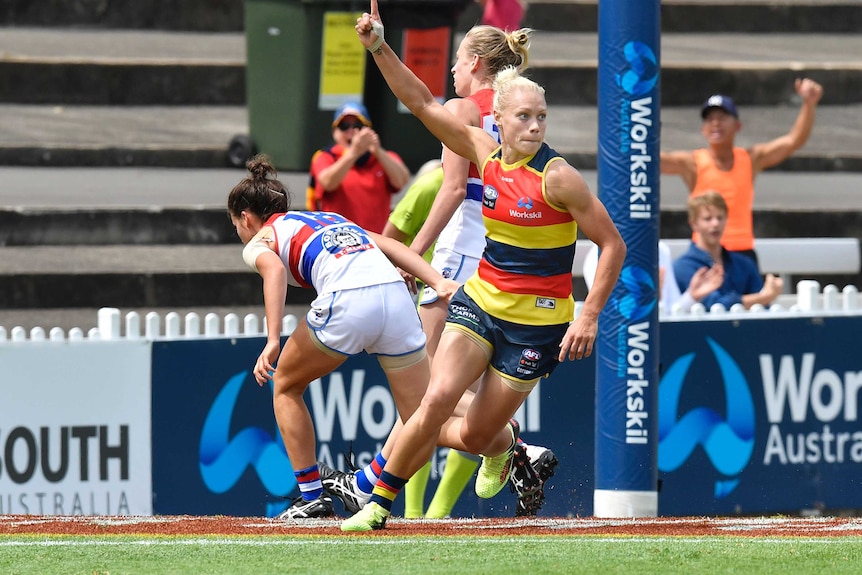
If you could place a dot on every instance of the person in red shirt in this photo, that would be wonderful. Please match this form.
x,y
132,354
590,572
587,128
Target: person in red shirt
x,y
356,177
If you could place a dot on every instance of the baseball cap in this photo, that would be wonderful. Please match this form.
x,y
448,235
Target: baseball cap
x,y
719,101
351,109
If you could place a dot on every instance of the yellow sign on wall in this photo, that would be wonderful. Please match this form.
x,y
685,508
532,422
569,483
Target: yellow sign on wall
x,y
342,69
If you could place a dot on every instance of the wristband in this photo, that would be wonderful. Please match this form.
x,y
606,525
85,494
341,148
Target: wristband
x,y
377,28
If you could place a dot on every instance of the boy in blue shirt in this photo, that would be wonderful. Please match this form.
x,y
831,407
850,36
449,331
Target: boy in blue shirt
x,y
707,215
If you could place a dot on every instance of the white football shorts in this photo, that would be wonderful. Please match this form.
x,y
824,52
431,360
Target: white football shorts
x,y
451,265
380,320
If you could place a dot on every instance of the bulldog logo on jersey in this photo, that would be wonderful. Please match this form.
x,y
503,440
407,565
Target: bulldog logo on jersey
x,y
345,240
489,197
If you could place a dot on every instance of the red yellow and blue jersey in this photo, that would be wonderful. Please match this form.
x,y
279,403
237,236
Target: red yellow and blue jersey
x,y
525,274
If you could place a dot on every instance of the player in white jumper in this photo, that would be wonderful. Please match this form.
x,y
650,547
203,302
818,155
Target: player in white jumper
x,y
362,304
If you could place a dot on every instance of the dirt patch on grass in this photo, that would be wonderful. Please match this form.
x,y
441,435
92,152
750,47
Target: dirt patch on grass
x,y
253,526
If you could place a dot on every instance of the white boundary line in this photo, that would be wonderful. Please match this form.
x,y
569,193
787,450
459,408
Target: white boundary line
x,y
280,540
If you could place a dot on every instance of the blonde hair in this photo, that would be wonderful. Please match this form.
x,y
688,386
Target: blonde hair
x,y
508,80
499,49
709,198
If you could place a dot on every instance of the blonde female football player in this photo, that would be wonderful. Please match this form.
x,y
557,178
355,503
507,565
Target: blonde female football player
x,y
511,323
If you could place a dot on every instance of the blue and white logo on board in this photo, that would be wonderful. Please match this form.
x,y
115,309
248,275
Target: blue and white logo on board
x,y
224,458
728,441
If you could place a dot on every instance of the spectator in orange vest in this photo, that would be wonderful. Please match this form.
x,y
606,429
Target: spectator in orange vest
x,y
730,170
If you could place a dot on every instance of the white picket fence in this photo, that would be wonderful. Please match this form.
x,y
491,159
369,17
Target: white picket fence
x,y
175,327
808,300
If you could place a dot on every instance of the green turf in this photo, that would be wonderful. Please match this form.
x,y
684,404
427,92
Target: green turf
x,y
123,555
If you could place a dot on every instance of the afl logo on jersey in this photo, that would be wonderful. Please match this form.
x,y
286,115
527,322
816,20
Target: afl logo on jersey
x,y
489,197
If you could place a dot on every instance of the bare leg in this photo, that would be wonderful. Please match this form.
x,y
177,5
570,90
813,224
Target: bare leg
x,y
300,363
492,408
433,421
433,316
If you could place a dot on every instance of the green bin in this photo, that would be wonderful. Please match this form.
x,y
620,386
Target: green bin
x,y
287,117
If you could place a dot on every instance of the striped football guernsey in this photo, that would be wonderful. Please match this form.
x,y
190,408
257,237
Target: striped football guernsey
x,y
525,275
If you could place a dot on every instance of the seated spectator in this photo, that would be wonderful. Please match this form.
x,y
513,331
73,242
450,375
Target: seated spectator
x,y
707,216
356,177
703,282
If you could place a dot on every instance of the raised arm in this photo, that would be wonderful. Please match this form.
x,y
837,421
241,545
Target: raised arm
x,y
471,143
771,153
396,172
680,164
454,188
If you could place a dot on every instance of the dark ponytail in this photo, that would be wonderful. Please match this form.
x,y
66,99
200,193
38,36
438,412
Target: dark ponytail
x,y
260,193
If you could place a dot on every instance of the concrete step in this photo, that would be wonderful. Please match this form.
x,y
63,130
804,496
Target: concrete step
x,y
121,67
86,136
207,226
572,15
102,189
86,238
49,277
198,136
130,276
204,15
148,206
111,67
705,16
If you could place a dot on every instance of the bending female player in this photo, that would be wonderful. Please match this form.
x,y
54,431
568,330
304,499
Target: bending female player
x,y
511,319
361,305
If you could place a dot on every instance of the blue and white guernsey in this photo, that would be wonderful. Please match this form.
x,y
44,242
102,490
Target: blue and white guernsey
x,y
328,252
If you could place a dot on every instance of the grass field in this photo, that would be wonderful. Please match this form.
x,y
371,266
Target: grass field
x,y
207,555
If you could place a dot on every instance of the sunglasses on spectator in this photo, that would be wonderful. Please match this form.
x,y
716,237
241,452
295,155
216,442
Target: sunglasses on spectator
x,y
344,126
